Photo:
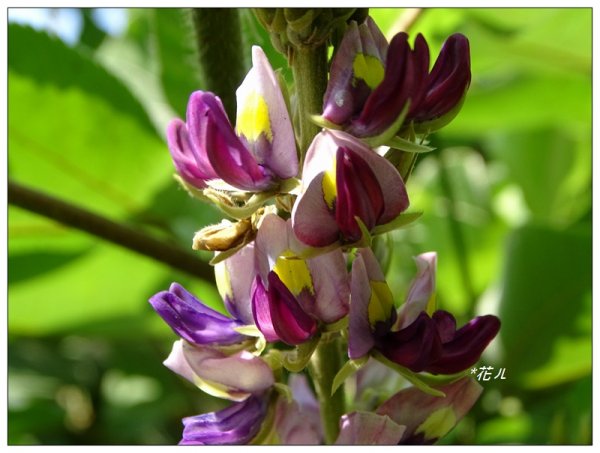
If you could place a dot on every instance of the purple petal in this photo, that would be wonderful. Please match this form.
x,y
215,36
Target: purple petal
x,y
234,277
401,82
467,344
229,156
192,320
395,198
413,408
448,81
345,95
367,428
241,373
360,336
331,284
184,156
274,148
295,426
235,425
421,291
414,347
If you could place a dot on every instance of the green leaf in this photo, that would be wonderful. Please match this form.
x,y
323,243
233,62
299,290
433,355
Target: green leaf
x,y
399,222
49,61
77,147
401,144
546,306
413,378
349,368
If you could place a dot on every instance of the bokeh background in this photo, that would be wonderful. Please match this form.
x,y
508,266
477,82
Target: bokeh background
x,y
506,200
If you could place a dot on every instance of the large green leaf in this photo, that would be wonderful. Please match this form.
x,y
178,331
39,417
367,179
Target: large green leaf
x,y
49,61
552,168
76,146
546,305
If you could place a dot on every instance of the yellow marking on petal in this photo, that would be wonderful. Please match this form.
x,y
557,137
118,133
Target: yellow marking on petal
x,y
293,273
329,185
381,302
369,69
438,424
219,390
223,280
253,118
431,305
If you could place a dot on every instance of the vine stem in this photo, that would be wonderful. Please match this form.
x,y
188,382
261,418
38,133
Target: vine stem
x,y
123,235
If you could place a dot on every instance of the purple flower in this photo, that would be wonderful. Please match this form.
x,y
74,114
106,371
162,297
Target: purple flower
x,y
290,295
192,320
428,418
415,340
375,88
342,179
211,352
237,424
256,156
411,416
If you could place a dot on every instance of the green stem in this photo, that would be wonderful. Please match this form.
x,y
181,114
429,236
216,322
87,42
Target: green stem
x,y
220,52
324,365
123,235
309,67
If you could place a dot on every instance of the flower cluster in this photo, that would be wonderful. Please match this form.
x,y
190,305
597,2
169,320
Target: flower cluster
x,y
295,267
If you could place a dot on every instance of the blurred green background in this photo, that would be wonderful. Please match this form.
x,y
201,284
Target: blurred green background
x,y
506,201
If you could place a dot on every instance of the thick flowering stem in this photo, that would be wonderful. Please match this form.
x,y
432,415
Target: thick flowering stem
x,y
220,52
324,365
309,67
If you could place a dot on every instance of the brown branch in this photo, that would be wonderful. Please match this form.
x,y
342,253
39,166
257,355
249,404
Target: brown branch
x,y
123,235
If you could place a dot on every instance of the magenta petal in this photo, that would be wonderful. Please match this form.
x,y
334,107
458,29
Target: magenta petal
x,y
280,317
230,158
358,194
367,428
261,311
395,197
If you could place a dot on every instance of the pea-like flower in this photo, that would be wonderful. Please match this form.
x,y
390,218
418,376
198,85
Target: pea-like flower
x,y
375,88
411,416
237,424
254,157
343,179
412,338
211,353
291,295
